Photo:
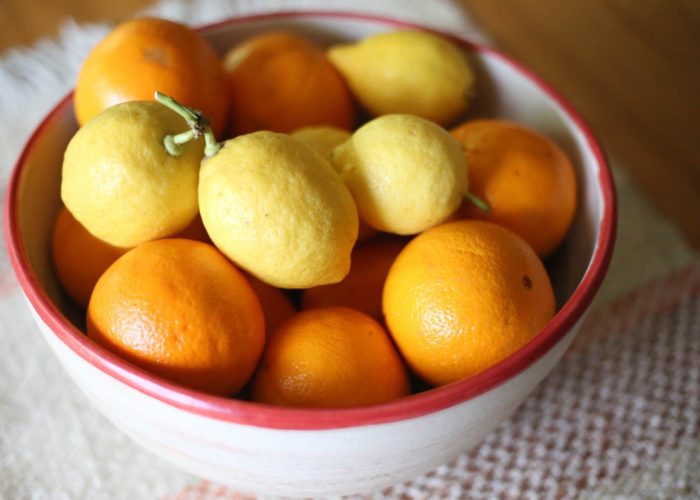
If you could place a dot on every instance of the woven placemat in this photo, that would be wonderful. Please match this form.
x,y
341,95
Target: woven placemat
x,y
617,418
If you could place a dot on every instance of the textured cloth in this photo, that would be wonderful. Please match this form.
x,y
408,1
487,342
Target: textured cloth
x,y
617,418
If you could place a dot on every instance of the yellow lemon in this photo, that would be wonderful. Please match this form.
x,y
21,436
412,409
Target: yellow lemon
x,y
407,72
279,210
322,138
121,183
405,173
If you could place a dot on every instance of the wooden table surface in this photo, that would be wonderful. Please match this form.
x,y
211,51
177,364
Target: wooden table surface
x,y
630,67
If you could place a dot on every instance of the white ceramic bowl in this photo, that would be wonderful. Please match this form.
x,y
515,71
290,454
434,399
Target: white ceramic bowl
x,y
299,452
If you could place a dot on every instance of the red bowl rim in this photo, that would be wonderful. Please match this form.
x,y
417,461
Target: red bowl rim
x,y
249,413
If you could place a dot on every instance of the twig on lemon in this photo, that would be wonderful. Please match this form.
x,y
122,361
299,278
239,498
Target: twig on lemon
x,y
198,123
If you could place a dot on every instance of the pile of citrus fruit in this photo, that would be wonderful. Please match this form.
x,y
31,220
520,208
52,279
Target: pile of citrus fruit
x,y
303,225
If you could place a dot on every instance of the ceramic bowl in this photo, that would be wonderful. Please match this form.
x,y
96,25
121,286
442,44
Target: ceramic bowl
x,y
301,452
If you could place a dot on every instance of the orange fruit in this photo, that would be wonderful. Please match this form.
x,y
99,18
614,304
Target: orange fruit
x,y
365,232
141,56
79,258
331,357
362,287
277,306
280,82
525,178
462,296
195,231
179,309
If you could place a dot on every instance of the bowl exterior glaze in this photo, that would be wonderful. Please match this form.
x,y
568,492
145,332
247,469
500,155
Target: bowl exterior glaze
x,y
290,452
301,463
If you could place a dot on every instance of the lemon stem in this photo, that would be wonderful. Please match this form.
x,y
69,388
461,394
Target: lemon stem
x,y
198,123
173,143
480,204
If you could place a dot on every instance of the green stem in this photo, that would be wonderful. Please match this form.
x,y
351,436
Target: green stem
x,y
480,204
173,143
211,146
198,123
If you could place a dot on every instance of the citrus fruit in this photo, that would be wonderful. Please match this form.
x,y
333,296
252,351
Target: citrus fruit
x,y
362,287
79,257
280,81
141,56
195,231
121,183
276,304
324,139
181,310
405,173
331,357
365,232
278,210
526,179
462,296
410,72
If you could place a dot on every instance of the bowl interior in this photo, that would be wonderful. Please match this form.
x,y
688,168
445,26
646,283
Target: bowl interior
x,y
505,90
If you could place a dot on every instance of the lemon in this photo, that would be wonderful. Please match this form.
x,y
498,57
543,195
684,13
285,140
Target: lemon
x,y
322,138
410,72
119,181
405,173
279,210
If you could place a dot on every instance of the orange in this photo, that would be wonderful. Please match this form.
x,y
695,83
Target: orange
x,y
362,287
331,357
280,82
179,309
462,296
79,257
141,56
525,178
277,306
365,232
195,231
